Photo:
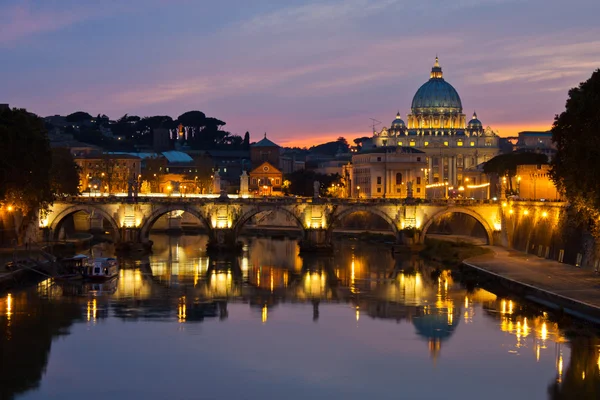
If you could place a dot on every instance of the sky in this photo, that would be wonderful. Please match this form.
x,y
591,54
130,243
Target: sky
x,y
304,72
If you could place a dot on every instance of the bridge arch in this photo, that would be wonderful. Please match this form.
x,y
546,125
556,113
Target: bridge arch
x,y
57,221
149,220
460,210
241,221
336,218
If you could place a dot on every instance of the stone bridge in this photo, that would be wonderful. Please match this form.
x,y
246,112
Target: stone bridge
x,y
132,218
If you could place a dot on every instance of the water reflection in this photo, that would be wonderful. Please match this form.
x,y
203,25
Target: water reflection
x,y
178,283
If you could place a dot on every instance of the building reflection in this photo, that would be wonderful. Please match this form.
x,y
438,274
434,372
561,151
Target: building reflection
x,y
179,283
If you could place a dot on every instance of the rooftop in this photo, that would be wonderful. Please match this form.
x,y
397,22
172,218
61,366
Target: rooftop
x,y
391,149
264,142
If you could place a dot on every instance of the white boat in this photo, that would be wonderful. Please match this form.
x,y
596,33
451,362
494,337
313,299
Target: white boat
x,y
101,269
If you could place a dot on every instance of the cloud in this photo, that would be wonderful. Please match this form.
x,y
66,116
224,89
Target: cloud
x,y
20,21
314,14
212,87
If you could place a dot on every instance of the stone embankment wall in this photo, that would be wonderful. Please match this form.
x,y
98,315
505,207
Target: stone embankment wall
x,y
544,230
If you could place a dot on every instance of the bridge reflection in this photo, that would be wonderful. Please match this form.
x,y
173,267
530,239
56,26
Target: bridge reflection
x,y
188,289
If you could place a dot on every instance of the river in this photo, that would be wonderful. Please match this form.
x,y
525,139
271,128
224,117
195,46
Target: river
x,y
270,325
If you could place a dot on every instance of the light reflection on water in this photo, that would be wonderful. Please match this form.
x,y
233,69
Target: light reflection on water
x,y
270,324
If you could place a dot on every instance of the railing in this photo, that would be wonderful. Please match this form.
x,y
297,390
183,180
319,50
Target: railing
x,y
284,200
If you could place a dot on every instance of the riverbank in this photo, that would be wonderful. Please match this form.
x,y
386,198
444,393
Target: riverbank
x,y
450,253
561,287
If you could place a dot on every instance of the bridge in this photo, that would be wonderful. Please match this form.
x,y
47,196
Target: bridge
x,y
131,219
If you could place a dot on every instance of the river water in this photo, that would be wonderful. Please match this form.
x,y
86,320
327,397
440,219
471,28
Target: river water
x,y
270,325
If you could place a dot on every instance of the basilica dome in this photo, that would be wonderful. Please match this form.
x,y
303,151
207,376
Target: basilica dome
x,y
436,95
398,123
475,122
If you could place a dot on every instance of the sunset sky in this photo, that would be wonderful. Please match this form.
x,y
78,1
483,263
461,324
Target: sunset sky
x,y
303,71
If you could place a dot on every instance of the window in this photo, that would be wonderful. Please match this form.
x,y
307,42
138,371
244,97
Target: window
x,y
418,159
378,190
379,180
277,181
413,143
418,180
459,144
426,143
399,143
472,144
398,178
445,143
418,190
254,181
378,158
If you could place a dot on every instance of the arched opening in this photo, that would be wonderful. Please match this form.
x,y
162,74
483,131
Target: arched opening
x,y
274,222
179,239
363,221
174,221
460,226
82,224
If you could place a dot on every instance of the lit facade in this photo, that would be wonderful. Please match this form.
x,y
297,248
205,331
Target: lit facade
x,y
534,183
388,172
266,180
437,127
108,173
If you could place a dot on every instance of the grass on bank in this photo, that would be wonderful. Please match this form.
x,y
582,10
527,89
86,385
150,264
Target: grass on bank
x,y
450,253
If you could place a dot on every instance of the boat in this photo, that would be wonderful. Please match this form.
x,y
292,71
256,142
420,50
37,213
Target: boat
x,y
72,267
101,269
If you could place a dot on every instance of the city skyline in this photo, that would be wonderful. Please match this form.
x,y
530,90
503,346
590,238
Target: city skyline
x,y
306,72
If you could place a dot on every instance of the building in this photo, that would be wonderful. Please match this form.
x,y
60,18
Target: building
x,y
536,142
534,183
264,151
108,173
266,180
388,172
437,127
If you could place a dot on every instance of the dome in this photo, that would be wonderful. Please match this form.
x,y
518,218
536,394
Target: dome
x,y
397,122
474,122
436,93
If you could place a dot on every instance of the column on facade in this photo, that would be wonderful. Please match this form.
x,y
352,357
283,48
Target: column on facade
x,y
430,166
452,168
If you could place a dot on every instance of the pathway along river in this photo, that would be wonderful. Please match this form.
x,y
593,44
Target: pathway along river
x,y
271,325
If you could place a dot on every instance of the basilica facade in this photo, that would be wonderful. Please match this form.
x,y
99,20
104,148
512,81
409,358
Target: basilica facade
x,y
437,126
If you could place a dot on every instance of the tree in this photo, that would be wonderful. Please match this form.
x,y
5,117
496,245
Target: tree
x,y
64,173
576,132
331,148
79,116
25,163
301,183
246,142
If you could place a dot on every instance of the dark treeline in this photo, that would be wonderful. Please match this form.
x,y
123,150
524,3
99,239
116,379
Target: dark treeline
x,y
198,131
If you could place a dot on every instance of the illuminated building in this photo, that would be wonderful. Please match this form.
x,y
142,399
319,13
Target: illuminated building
x,y
108,173
534,182
388,172
437,126
266,180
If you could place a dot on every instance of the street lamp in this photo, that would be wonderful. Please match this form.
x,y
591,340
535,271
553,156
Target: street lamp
x,y
358,192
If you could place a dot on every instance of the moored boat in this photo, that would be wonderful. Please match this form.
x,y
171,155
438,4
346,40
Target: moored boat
x,y
73,267
101,269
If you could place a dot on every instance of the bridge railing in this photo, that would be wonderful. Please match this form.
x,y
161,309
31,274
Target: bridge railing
x,y
289,200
